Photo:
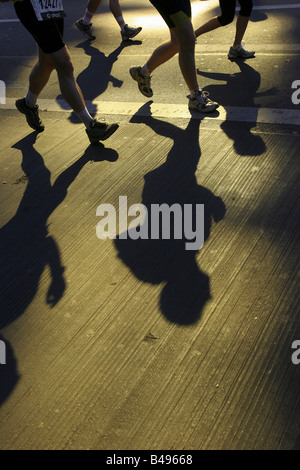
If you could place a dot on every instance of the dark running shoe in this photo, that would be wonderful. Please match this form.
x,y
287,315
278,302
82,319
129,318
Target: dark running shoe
x,y
31,114
86,29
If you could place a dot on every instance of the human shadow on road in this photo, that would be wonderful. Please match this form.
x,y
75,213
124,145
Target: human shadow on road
x,y
240,90
27,248
95,78
168,261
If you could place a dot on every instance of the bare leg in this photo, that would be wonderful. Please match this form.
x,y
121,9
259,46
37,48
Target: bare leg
x,y
68,85
93,5
183,41
73,95
40,73
162,54
209,26
39,76
115,8
185,38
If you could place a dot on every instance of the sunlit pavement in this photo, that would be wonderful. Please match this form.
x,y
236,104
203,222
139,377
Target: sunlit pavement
x,y
142,344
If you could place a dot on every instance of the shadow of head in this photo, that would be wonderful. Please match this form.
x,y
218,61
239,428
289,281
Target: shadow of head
x,y
245,142
185,289
183,299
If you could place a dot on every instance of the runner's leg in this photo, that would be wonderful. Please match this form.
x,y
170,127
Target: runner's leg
x,y
116,10
40,73
185,37
91,8
242,20
162,53
62,62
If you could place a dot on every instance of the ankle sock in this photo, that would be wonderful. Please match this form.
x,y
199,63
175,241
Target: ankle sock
x,y
121,22
145,70
87,17
85,117
31,99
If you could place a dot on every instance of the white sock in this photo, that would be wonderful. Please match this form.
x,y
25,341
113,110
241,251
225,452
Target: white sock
x,y
87,17
31,99
85,117
121,22
145,70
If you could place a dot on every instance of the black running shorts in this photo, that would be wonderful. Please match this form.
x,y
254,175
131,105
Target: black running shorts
x,y
48,34
228,10
174,12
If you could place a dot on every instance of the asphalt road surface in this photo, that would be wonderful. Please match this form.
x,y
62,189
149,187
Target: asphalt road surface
x,y
123,344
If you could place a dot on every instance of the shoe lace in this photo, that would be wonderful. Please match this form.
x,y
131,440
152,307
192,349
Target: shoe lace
x,y
147,80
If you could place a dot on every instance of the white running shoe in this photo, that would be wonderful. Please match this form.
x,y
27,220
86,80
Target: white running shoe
x,y
234,53
202,103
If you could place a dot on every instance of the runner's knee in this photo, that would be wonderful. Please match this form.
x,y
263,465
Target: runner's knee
x,y
44,63
246,8
184,36
63,63
65,68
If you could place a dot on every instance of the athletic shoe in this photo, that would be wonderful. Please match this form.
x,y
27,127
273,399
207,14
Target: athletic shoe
x,y
128,32
86,29
143,81
31,114
100,131
240,52
202,103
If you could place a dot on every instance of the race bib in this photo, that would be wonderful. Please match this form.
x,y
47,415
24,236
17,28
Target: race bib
x,y
48,9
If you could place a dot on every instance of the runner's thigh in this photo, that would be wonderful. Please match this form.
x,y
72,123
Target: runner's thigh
x,y
174,12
